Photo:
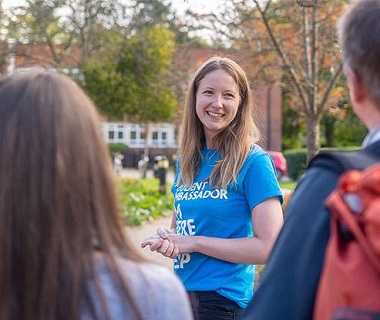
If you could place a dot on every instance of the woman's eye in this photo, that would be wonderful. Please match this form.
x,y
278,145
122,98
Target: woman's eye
x,y
229,95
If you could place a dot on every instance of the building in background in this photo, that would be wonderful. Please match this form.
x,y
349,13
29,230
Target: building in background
x,y
162,139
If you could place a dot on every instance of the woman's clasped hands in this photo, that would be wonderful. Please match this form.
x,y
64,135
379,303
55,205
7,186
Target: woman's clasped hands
x,y
163,242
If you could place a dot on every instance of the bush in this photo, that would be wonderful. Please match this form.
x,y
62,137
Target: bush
x,y
117,147
139,203
296,162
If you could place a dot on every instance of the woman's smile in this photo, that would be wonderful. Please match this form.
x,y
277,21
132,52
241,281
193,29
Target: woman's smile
x,y
217,102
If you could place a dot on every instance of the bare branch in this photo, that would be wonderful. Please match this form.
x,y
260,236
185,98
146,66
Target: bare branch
x,y
330,86
283,56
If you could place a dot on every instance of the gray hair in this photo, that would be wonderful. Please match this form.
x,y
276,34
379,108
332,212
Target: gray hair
x,y
359,37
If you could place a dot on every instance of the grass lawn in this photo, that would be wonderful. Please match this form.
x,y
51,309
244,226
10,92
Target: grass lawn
x,y
288,185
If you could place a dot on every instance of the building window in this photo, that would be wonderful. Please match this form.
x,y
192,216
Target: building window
x,y
114,132
136,136
154,139
160,136
133,135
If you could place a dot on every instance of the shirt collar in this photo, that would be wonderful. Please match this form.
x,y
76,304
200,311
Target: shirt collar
x,y
371,137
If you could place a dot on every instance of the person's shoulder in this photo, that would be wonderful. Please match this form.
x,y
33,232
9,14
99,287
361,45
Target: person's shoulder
x,y
373,148
154,288
258,160
257,157
341,160
256,152
161,275
166,293
150,275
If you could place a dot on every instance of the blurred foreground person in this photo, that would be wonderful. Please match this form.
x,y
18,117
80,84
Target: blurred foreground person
x,y
64,254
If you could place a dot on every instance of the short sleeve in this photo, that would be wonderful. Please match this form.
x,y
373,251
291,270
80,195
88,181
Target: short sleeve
x,y
259,181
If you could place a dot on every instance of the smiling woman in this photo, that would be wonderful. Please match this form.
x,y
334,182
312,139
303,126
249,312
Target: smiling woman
x,y
217,103
226,195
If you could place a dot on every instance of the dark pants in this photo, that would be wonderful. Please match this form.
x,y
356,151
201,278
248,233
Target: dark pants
x,y
210,305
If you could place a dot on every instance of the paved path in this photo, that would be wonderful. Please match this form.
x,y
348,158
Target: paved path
x,y
139,233
135,174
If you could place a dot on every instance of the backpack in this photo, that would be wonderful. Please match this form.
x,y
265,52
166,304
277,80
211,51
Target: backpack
x,y
349,286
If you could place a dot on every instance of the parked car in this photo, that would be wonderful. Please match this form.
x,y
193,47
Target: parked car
x,y
279,163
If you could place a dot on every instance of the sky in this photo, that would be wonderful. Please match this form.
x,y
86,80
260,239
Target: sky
x,y
201,6
9,3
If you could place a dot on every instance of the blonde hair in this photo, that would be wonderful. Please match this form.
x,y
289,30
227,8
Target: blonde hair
x,y
233,143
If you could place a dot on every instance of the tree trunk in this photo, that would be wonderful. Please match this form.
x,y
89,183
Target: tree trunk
x,y
329,132
312,137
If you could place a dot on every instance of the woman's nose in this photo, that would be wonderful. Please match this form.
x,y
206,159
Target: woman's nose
x,y
217,101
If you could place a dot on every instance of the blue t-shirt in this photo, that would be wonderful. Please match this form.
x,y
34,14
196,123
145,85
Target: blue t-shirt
x,y
222,213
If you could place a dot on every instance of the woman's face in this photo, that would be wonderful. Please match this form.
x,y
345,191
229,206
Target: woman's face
x,y
217,102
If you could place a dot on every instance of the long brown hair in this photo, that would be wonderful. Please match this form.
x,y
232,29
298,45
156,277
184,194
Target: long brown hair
x,y
57,197
233,143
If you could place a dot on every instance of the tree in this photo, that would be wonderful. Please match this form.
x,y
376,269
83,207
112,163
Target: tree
x,y
135,78
153,13
70,30
342,127
290,43
307,50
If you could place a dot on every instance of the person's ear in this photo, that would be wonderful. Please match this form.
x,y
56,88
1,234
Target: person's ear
x,y
356,86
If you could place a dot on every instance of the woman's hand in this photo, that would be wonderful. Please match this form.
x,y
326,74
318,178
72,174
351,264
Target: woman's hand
x,y
161,243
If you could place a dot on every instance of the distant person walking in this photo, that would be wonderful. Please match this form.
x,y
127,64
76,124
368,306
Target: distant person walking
x,y
118,163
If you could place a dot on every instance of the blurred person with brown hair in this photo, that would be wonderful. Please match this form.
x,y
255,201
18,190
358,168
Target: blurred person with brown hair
x,y
64,252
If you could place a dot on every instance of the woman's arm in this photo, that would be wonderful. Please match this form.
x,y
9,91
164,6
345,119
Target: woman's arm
x,y
267,220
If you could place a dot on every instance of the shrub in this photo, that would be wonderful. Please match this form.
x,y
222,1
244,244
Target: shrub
x,y
296,162
139,203
117,147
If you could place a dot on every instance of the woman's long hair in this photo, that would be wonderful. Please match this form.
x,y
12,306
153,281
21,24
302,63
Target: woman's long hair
x,y
233,143
57,198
